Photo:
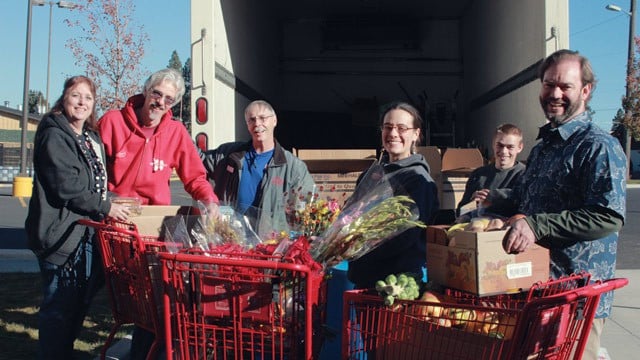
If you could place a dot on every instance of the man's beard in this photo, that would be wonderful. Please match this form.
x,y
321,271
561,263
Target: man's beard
x,y
569,112
155,112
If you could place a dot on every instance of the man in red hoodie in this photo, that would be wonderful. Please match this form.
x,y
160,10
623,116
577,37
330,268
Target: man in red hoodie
x,y
144,145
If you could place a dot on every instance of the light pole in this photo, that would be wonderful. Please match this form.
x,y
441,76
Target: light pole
x,y
21,183
630,59
61,5
25,94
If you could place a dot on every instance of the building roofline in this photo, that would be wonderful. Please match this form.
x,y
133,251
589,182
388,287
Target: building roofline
x,y
16,112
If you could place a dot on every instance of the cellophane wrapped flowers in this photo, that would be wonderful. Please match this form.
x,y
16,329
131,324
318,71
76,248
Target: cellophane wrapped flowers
x,y
204,231
373,215
308,214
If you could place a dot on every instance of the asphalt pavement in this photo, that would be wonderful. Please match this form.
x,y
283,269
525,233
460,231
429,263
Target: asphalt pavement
x,y
621,337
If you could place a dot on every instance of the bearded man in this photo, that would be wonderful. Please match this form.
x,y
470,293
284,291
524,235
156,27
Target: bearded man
x,y
574,188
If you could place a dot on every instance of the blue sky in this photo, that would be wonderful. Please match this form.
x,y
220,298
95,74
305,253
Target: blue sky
x,y
599,34
603,37
165,21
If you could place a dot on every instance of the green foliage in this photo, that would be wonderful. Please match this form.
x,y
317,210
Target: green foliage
x,y
182,110
617,128
186,99
174,61
631,101
37,102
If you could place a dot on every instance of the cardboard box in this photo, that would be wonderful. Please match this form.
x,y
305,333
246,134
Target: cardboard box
x,y
434,158
331,154
338,166
336,170
453,184
457,165
335,186
475,262
437,234
149,222
461,158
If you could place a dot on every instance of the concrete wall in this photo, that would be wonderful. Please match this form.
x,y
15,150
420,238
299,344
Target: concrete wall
x,y
241,39
503,41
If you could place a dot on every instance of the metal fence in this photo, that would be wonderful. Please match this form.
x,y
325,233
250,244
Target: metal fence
x,y
10,161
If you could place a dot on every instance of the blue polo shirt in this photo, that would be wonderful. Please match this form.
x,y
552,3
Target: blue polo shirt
x,y
253,170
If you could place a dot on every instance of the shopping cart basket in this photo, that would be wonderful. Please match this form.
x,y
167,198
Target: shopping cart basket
x,y
132,271
551,322
241,306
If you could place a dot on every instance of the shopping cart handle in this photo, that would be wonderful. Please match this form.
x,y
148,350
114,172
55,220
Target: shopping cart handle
x,y
95,224
603,287
591,290
102,226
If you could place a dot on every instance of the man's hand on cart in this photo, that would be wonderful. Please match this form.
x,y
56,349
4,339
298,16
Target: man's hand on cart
x,y
519,237
213,210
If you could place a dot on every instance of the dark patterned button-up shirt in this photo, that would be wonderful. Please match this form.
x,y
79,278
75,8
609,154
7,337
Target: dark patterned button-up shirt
x,y
573,166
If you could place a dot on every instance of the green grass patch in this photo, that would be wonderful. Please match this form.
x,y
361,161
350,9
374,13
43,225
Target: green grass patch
x,y
20,297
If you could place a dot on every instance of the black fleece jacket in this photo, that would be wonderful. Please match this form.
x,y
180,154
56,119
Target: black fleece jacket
x,y
407,251
64,191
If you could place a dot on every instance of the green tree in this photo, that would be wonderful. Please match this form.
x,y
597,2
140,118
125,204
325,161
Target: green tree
x,y
176,64
182,110
186,99
36,102
617,128
631,103
174,61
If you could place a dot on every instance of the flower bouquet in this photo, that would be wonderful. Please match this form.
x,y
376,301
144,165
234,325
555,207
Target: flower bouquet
x,y
372,215
224,229
308,214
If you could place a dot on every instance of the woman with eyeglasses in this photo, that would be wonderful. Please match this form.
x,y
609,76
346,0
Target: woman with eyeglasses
x,y
408,174
70,184
144,145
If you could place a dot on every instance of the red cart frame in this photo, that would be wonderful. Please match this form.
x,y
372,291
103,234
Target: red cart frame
x,y
241,306
551,322
132,272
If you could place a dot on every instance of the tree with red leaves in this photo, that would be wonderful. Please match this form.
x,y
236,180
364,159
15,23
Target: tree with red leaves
x,y
110,49
631,102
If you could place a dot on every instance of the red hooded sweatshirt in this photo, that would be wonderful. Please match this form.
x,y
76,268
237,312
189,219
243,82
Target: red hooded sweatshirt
x,y
141,167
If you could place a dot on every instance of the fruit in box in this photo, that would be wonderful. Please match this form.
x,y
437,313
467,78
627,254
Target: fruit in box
x,y
430,311
461,318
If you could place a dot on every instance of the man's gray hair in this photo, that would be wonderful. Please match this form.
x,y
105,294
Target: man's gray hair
x,y
168,74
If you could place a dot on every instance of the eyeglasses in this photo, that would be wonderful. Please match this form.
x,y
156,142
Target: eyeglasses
x,y
262,118
401,128
157,95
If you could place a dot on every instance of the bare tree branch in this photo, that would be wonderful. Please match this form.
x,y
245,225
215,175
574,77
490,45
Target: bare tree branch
x,y
110,49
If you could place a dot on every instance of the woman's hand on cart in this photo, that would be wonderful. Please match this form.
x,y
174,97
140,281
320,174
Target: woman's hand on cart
x,y
119,212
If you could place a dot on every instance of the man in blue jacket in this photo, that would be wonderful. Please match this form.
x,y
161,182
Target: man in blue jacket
x,y
254,176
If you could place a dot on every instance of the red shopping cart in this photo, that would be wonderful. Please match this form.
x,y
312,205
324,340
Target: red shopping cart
x,y
132,272
241,306
552,321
